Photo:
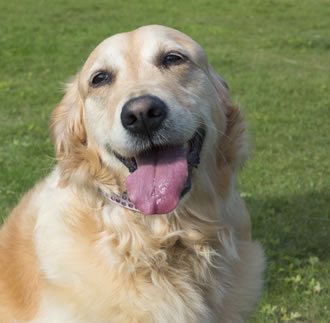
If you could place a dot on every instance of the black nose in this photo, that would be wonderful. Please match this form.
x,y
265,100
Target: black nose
x,y
143,115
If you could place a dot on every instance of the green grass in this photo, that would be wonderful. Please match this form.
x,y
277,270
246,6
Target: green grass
x,y
276,57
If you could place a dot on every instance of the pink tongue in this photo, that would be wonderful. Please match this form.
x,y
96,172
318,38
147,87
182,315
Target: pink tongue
x,y
155,187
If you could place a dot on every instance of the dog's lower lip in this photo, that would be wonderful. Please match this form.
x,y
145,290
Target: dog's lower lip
x,y
196,143
130,163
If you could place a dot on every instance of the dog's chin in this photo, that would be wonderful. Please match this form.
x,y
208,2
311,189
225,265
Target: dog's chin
x,y
162,175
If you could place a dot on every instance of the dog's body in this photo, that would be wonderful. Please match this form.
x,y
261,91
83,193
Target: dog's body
x,y
68,254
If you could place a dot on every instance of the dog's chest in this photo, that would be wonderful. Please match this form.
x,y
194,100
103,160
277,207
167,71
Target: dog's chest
x,y
108,278
149,295
160,293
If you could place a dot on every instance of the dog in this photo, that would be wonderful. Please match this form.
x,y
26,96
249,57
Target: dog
x,y
140,219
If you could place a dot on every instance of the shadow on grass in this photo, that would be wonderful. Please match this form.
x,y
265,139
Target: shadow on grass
x,y
293,230
297,225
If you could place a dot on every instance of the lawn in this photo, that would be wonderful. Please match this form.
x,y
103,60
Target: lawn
x,y
275,56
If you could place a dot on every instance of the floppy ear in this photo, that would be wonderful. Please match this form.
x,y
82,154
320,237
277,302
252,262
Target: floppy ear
x,y
233,147
231,154
67,122
220,84
78,163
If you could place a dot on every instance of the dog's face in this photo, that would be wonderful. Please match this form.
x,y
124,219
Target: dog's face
x,y
153,108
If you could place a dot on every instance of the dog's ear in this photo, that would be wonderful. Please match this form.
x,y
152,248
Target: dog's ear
x,y
233,148
232,152
219,84
78,163
67,122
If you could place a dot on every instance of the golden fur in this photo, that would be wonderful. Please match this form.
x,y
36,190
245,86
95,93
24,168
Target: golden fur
x,y
68,255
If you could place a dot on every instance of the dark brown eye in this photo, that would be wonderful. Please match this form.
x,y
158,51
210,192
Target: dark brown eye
x,y
172,59
101,78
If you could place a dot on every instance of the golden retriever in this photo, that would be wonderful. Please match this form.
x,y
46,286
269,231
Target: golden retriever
x,y
140,220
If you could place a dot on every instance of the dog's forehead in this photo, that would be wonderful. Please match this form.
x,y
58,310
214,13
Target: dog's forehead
x,y
142,44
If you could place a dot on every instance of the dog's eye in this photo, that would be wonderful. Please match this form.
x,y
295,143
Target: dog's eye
x,y
100,78
172,59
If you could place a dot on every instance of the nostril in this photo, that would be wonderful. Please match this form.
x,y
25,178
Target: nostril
x,y
155,112
130,119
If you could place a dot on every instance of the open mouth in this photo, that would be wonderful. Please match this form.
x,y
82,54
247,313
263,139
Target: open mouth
x,y
162,175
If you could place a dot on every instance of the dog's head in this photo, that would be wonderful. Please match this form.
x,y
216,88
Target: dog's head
x,y
148,114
